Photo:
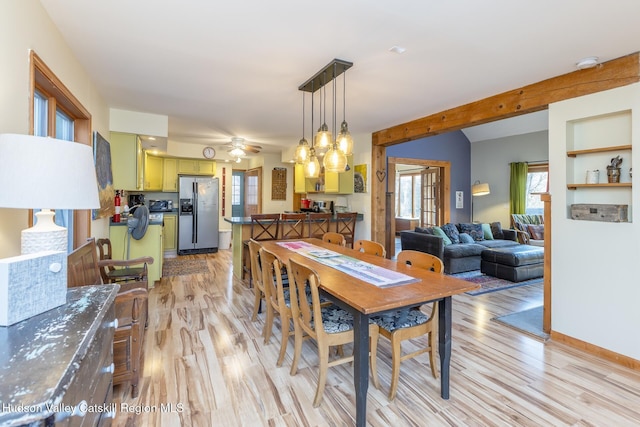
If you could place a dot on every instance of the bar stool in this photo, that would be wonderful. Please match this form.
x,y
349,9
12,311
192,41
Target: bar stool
x,y
293,225
263,227
318,224
346,225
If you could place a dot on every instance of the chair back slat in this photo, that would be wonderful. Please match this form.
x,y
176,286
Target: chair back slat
x,y
82,266
293,225
346,225
370,247
319,224
334,238
417,259
265,226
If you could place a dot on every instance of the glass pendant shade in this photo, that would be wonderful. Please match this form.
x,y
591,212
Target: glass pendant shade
x,y
312,166
302,151
345,141
335,160
323,140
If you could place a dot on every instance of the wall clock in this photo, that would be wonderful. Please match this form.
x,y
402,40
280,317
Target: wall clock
x,y
209,152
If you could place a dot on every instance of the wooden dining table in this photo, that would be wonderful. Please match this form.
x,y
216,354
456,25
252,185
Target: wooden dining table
x,y
363,300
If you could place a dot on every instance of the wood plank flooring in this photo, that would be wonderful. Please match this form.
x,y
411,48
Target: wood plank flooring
x,y
206,365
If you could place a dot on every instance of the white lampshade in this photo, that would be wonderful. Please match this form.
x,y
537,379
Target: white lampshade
x,y
478,189
46,173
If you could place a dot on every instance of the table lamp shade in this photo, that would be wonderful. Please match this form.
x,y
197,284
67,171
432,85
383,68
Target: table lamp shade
x,y
46,173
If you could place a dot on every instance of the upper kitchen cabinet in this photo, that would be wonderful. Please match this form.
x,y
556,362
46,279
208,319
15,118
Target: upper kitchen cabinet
x,y
153,167
340,183
196,167
170,175
126,161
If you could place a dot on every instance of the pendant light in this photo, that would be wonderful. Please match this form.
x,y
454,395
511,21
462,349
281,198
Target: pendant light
x,y
323,137
334,160
302,151
345,141
312,166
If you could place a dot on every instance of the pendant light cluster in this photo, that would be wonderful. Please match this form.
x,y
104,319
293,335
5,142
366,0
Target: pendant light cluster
x,y
333,152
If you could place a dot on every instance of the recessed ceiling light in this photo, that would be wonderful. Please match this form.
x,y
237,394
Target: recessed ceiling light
x,y
588,62
397,49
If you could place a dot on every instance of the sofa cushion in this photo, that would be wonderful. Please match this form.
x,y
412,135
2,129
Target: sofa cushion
x,y
452,232
536,231
428,230
496,230
437,231
465,238
463,250
473,230
486,229
497,243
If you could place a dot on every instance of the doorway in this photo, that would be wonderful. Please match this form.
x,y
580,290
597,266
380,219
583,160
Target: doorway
x,y
237,193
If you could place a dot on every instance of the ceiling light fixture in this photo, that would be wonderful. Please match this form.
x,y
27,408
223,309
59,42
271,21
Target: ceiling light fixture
x,y
397,49
324,136
588,62
333,162
302,151
345,141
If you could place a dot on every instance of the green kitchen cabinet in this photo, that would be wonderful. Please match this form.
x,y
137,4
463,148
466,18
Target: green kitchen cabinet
x,y
196,167
340,183
153,166
170,232
126,161
170,175
151,244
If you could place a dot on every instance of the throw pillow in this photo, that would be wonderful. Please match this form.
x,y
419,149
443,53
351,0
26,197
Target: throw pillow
x,y
473,230
486,229
452,232
437,231
496,230
536,231
465,238
427,230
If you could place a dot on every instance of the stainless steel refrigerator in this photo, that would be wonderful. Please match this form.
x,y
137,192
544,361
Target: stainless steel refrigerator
x,y
198,216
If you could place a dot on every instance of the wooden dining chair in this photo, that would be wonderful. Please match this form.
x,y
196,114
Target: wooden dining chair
x,y
117,271
329,326
411,323
292,225
319,223
334,238
263,227
346,225
277,299
370,247
256,274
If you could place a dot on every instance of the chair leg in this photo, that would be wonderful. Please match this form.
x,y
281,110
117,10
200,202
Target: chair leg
x,y
297,348
373,354
268,323
256,304
396,355
284,324
432,354
323,356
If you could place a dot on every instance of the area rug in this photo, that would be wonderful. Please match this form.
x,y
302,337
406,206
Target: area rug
x,y
489,283
527,321
179,267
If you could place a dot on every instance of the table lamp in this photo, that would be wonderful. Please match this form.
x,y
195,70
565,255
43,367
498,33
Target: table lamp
x,y
46,173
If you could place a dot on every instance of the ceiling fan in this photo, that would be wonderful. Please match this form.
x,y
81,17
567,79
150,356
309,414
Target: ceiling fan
x,y
238,148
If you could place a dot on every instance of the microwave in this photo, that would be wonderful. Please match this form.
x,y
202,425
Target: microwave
x,y
160,205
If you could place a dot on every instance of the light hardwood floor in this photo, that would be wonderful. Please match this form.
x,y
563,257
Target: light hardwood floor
x,y
203,355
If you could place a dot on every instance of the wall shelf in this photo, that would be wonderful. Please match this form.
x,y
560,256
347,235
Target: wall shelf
x,y
603,185
575,153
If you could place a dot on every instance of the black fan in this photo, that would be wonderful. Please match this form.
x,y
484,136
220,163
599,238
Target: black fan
x,y
137,224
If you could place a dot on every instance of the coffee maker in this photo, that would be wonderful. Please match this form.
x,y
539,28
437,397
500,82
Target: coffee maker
x,y
136,199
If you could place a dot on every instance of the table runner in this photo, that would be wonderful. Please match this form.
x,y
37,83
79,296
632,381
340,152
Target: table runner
x,y
370,273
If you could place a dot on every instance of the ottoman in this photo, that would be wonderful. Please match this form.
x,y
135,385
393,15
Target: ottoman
x,y
514,263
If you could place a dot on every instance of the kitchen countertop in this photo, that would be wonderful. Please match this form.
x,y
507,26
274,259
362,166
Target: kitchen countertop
x,y
152,221
239,220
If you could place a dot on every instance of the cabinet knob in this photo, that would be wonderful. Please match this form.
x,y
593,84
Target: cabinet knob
x,y
113,324
109,369
80,410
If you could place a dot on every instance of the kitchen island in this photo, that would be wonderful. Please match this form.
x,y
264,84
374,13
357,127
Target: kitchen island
x,y
241,231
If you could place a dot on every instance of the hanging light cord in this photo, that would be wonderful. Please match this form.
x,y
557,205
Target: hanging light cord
x,y
344,95
334,102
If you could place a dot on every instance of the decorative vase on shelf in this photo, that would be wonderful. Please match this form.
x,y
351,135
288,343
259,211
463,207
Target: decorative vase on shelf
x,y
613,174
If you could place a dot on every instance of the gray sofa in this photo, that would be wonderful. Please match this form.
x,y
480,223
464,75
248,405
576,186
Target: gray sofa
x,y
457,257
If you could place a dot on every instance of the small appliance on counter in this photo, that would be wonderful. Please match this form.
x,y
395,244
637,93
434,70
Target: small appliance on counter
x,y
136,199
160,205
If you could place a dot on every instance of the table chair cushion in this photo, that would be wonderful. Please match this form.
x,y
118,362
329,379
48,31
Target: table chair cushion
x,y
405,318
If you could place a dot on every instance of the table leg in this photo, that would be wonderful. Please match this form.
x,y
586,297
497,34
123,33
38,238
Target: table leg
x,y
361,365
444,343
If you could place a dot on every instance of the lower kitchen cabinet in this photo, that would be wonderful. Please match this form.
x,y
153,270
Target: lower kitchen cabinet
x,y
151,244
170,232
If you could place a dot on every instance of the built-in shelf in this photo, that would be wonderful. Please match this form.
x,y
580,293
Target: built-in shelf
x,y
575,153
603,185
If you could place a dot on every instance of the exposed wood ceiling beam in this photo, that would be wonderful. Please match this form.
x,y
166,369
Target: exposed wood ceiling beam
x,y
527,99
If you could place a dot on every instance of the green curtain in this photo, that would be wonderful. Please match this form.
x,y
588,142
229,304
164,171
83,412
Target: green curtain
x,y
518,188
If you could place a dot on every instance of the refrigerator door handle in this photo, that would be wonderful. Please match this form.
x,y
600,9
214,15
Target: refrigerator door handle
x,y
194,224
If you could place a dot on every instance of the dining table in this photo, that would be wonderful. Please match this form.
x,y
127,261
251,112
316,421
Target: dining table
x,y
364,299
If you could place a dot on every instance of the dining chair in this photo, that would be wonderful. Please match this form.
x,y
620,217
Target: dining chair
x,y
116,271
411,323
263,227
329,326
346,225
334,238
292,225
256,273
370,247
319,223
277,299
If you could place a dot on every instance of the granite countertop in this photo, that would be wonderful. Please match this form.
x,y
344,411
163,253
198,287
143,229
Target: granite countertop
x,y
40,356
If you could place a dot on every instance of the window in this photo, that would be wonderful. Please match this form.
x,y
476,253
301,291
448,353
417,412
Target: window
x,y
537,182
236,189
408,195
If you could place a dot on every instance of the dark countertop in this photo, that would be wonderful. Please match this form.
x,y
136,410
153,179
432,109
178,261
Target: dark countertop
x,y
239,220
40,356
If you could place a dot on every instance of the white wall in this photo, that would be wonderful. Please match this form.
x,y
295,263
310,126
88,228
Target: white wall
x,y
490,161
24,25
595,277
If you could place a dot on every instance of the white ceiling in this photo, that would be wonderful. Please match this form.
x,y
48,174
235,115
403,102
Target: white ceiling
x,y
220,69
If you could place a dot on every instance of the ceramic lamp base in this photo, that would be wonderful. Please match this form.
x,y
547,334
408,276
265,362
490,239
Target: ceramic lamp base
x,y
45,235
